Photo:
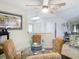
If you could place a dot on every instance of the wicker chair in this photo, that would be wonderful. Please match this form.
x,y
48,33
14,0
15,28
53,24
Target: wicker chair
x,y
58,44
36,43
36,38
9,50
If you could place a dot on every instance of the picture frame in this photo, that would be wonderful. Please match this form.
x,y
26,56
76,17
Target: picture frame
x,y
10,20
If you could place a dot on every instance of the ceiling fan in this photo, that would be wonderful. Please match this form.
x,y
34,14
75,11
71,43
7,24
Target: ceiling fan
x,y
45,6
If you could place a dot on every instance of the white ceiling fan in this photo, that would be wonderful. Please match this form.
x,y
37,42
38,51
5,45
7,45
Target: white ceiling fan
x,y
47,6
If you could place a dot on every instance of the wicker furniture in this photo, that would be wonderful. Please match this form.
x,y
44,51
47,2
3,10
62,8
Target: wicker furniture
x,y
9,50
36,38
58,44
46,56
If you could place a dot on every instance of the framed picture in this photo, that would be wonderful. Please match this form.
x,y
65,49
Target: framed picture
x,y
10,20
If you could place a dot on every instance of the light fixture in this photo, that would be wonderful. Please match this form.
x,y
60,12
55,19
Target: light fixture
x,y
45,9
36,18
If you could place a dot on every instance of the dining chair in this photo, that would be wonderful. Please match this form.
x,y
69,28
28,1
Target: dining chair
x,y
36,45
36,38
9,50
58,44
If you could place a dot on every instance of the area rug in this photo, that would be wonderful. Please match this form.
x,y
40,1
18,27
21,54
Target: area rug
x,y
65,57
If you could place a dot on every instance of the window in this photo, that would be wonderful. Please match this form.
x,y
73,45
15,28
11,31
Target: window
x,y
30,28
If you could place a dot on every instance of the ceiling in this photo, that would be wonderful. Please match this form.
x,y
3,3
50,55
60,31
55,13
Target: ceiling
x,y
70,10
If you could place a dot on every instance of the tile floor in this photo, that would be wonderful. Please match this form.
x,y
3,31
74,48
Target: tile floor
x,y
70,51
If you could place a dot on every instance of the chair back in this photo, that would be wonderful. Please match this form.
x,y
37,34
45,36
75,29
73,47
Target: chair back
x,y
9,49
57,44
36,38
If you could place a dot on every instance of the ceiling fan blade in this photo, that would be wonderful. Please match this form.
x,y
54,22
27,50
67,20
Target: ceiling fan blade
x,y
59,4
56,7
32,5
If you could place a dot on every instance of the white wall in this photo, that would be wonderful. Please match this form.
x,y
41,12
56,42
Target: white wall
x,y
19,37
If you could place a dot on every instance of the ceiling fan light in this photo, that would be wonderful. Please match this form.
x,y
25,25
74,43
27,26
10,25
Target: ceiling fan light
x,y
45,9
36,18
